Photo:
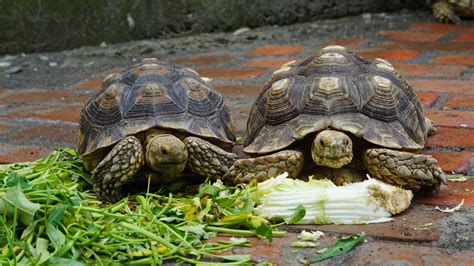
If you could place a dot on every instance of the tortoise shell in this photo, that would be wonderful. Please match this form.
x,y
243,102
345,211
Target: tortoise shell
x,y
153,94
336,89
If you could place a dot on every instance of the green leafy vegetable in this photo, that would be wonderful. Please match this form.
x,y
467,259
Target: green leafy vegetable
x,y
342,246
15,201
297,215
265,231
51,216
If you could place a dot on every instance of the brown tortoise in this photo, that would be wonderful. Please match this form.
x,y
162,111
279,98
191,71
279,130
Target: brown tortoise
x,y
342,114
158,115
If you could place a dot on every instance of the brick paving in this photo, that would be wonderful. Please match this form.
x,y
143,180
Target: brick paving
x,y
436,59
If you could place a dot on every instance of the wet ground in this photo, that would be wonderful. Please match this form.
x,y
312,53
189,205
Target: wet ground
x,y
41,96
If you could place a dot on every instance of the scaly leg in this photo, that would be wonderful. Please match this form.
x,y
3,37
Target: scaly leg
x,y
265,167
444,13
119,166
404,169
206,159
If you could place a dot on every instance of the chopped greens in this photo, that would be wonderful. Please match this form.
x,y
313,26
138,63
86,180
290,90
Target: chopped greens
x,y
342,246
49,215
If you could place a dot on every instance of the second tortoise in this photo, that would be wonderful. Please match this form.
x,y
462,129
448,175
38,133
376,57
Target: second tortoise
x,y
344,115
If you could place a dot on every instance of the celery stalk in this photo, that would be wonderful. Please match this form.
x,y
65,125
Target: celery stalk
x,y
358,203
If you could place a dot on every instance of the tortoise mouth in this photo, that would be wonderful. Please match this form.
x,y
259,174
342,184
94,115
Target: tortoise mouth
x,y
172,168
333,161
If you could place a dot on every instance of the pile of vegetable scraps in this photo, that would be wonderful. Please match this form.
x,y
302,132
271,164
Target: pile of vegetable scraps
x,y
49,214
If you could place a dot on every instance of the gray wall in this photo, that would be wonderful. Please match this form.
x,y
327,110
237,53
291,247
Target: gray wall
x,y
46,25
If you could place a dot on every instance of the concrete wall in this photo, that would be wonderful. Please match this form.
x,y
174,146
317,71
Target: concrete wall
x,y
46,25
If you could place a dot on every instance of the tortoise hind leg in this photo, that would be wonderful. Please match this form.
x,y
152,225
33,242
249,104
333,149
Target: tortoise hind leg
x,y
404,169
445,13
120,164
206,159
264,167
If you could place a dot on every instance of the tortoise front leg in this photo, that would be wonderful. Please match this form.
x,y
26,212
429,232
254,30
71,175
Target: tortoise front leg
x,y
444,12
120,164
404,169
265,167
206,159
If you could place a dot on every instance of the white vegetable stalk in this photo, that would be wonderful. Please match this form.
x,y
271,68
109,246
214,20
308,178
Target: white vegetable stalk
x,y
358,203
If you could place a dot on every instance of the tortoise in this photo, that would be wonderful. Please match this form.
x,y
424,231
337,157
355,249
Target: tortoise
x,y
342,116
154,115
450,10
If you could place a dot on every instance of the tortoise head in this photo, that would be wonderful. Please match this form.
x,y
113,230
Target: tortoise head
x,y
165,153
332,149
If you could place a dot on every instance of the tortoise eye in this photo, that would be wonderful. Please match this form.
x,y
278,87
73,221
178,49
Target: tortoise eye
x,y
321,141
164,151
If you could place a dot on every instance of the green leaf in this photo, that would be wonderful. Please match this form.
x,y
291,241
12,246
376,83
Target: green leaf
x,y
15,180
57,214
342,246
15,198
240,257
197,229
210,190
265,231
226,202
55,235
248,203
297,215
63,261
42,252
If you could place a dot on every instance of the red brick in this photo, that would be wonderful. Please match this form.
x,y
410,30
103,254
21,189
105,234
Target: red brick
x,y
267,62
48,134
276,50
68,114
203,59
465,37
44,97
447,71
346,42
455,59
451,118
399,55
5,127
439,27
230,73
243,91
427,98
443,86
389,253
10,153
453,162
89,84
451,138
412,36
276,253
451,195
460,101
429,46
404,227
